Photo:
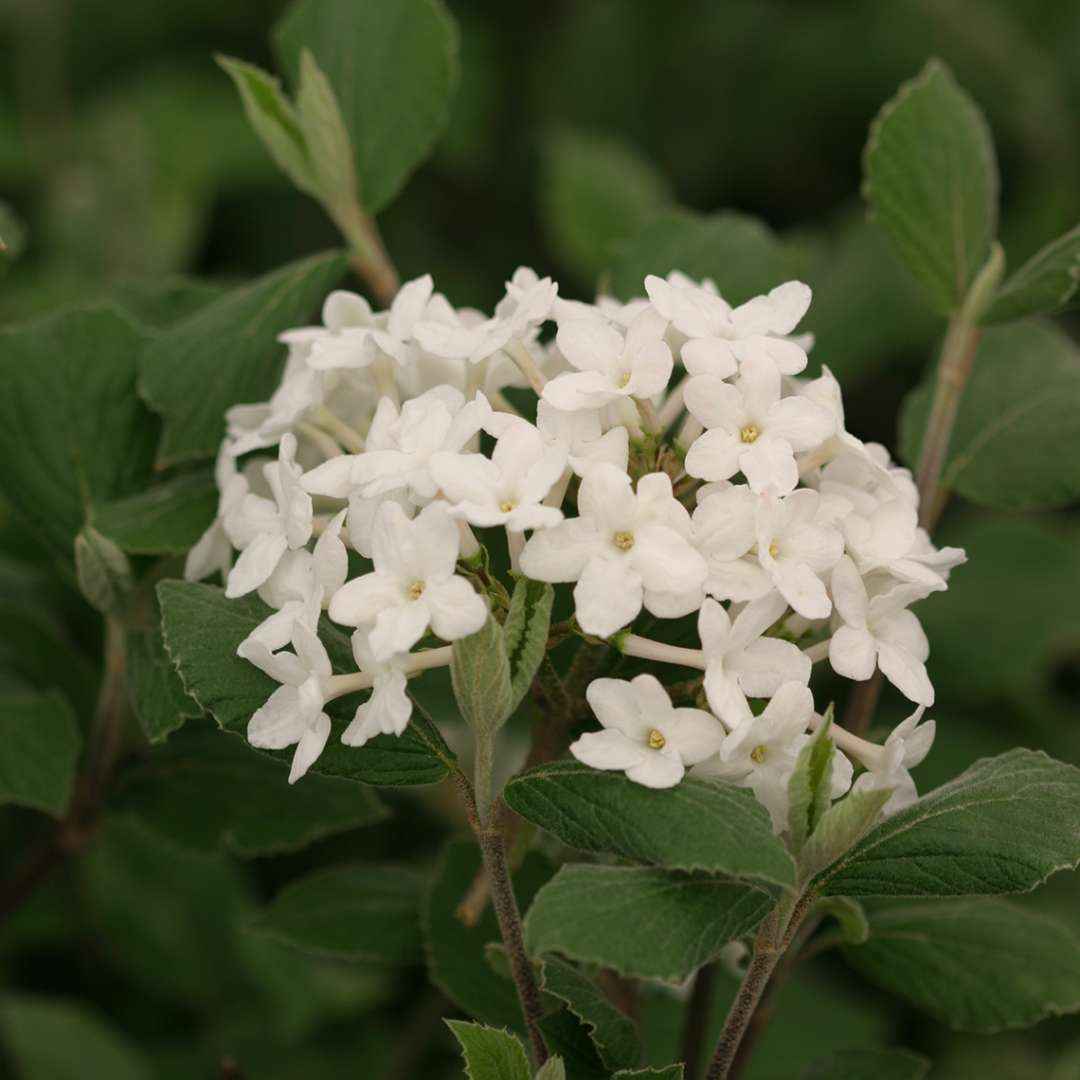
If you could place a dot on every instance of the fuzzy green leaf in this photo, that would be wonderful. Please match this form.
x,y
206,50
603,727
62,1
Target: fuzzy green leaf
x,y
73,433
490,1054
393,68
840,826
54,1039
480,672
698,825
595,192
274,120
1003,826
810,786
102,571
41,748
525,634
205,788
157,694
641,921
930,178
976,965
738,252
367,912
165,519
227,353
1046,283
868,1065
202,630
613,1033
1025,383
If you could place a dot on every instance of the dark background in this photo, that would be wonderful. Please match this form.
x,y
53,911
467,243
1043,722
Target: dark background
x,y
125,160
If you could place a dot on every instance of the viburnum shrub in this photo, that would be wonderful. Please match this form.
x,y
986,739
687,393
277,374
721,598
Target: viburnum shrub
x,y
637,522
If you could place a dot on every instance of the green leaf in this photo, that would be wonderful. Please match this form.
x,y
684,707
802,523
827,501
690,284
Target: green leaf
x,y
393,67
613,1033
640,921
41,749
102,571
157,694
490,1054
366,912
202,630
328,146
227,353
457,963
851,916
738,252
595,191
73,433
274,120
552,1069
667,1072
525,634
976,965
1003,826
1046,283
841,825
810,786
480,672
868,1065
160,303
54,1039
568,1037
698,825
204,789
165,519
930,177
1025,384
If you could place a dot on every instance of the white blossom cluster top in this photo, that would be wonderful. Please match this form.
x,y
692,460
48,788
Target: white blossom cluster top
x,y
680,461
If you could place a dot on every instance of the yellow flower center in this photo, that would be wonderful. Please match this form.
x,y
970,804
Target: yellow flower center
x,y
623,540
759,753
656,740
624,378
507,505
749,433
774,549
415,590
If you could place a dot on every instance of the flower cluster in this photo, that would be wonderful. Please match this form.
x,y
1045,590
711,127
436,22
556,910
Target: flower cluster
x,y
679,463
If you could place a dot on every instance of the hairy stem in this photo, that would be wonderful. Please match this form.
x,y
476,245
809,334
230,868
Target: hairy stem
x,y
774,938
371,261
493,852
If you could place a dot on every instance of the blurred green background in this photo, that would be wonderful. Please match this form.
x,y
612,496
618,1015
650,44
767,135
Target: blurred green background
x,y
126,165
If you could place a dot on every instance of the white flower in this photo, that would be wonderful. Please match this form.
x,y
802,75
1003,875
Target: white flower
x,y
610,365
623,550
580,434
439,419
212,552
752,429
264,529
413,585
301,585
348,341
740,663
406,311
509,487
721,337
879,632
388,709
725,530
293,715
761,753
527,303
643,735
796,542
907,745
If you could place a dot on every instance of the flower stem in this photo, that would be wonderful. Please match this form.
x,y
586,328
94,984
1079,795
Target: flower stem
x,y
508,916
371,261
